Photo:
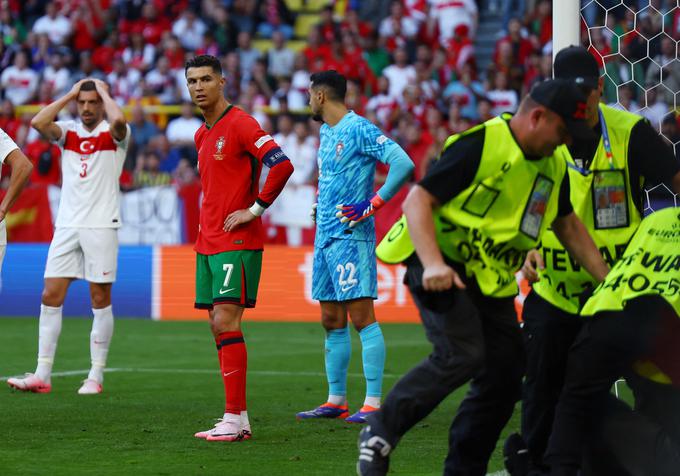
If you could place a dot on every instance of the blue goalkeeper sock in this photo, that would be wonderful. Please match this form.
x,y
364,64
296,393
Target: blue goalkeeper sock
x,y
338,351
373,355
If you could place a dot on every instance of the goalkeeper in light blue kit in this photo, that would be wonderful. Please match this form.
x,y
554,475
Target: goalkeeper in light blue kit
x,y
344,271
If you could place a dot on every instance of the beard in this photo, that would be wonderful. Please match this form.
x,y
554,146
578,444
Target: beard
x,y
317,117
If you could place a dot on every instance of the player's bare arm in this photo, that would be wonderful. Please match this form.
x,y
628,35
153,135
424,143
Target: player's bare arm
x,y
21,170
114,114
573,234
418,207
43,121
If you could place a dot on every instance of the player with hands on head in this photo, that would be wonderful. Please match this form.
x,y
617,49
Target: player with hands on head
x,y
85,241
344,271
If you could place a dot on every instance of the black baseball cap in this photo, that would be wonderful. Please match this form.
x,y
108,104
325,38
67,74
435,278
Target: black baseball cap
x,y
565,99
576,63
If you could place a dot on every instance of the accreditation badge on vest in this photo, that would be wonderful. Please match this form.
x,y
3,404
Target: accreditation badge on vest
x,y
532,219
610,207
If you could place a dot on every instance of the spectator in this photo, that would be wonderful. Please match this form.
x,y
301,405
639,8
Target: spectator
x,y
103,56
189,29
520,47
41,51
142,130
284,126
465,92
460,50
625,100
265,82
232,75
123,81
184,174
280,58
139,55
317,52
210,45
12,30
225,29
44,156
451,14
180,131
353,24
656,109
328,27
417,146
275,16
8,121
248,55
152,25
163,82
148,172
397,23
53,24
665,69
383,105
57,75
298,96
375,55
86,69
244,13
87,23
19,81
400,74
502,97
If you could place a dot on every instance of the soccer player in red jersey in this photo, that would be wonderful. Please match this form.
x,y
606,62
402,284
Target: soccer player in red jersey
x,y
232,147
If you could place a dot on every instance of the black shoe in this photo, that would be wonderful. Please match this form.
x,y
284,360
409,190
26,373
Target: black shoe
x,y
516,456
373,454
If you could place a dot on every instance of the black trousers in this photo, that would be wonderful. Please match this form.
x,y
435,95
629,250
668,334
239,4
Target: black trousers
x,y
639,441
548,333
473,337
605,350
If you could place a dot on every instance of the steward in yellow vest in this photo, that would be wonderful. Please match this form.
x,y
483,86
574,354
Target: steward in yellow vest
x,y
633,323
482,206
606,176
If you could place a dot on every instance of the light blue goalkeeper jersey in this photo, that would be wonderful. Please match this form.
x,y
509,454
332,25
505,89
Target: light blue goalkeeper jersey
x,y
347,157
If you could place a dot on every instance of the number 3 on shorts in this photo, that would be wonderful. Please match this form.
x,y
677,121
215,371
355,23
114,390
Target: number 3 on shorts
x,y
228,268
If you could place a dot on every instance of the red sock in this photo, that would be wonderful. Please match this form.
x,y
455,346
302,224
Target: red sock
x,y
233,364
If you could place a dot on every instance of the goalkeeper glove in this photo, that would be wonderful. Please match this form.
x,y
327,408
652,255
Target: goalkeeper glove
x,y
355,212
312,213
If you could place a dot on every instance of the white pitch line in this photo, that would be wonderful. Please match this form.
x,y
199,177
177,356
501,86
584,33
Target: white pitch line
x,y
275,373
271,373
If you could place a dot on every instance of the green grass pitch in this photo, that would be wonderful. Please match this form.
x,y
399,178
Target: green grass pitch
x,y
164,386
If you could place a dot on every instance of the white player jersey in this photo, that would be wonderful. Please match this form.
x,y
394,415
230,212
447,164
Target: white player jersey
x,y
91,163
7,145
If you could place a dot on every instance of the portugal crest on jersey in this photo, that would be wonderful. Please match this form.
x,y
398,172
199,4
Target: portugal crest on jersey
x,y
219,144
338,150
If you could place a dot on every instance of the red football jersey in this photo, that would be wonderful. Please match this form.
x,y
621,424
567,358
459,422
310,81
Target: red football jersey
x,y
230,157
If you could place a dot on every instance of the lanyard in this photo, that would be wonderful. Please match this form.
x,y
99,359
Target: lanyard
x,y
607,149
605,140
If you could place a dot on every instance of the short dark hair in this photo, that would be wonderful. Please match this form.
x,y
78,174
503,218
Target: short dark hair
x,y
334,82
204,60
88,86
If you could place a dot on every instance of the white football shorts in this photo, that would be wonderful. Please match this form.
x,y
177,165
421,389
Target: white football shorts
x,y
83,253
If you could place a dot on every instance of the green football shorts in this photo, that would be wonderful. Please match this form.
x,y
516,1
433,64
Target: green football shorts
x,y
229,277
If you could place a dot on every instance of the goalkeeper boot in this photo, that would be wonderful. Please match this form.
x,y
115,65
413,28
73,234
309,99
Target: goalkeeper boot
x,y
360,416
327,410
30,383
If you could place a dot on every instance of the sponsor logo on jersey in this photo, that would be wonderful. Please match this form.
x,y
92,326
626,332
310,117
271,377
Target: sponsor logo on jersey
x,y
381,139
262,141
219,144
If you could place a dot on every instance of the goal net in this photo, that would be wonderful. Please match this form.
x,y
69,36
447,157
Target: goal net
x,y
635,43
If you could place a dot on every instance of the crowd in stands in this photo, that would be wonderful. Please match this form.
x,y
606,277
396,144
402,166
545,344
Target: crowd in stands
x,y
411,66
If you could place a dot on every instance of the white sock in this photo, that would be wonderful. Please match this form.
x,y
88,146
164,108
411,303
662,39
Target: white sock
x,y
372,402
48,336
232,418
100,340
337,399
244,418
